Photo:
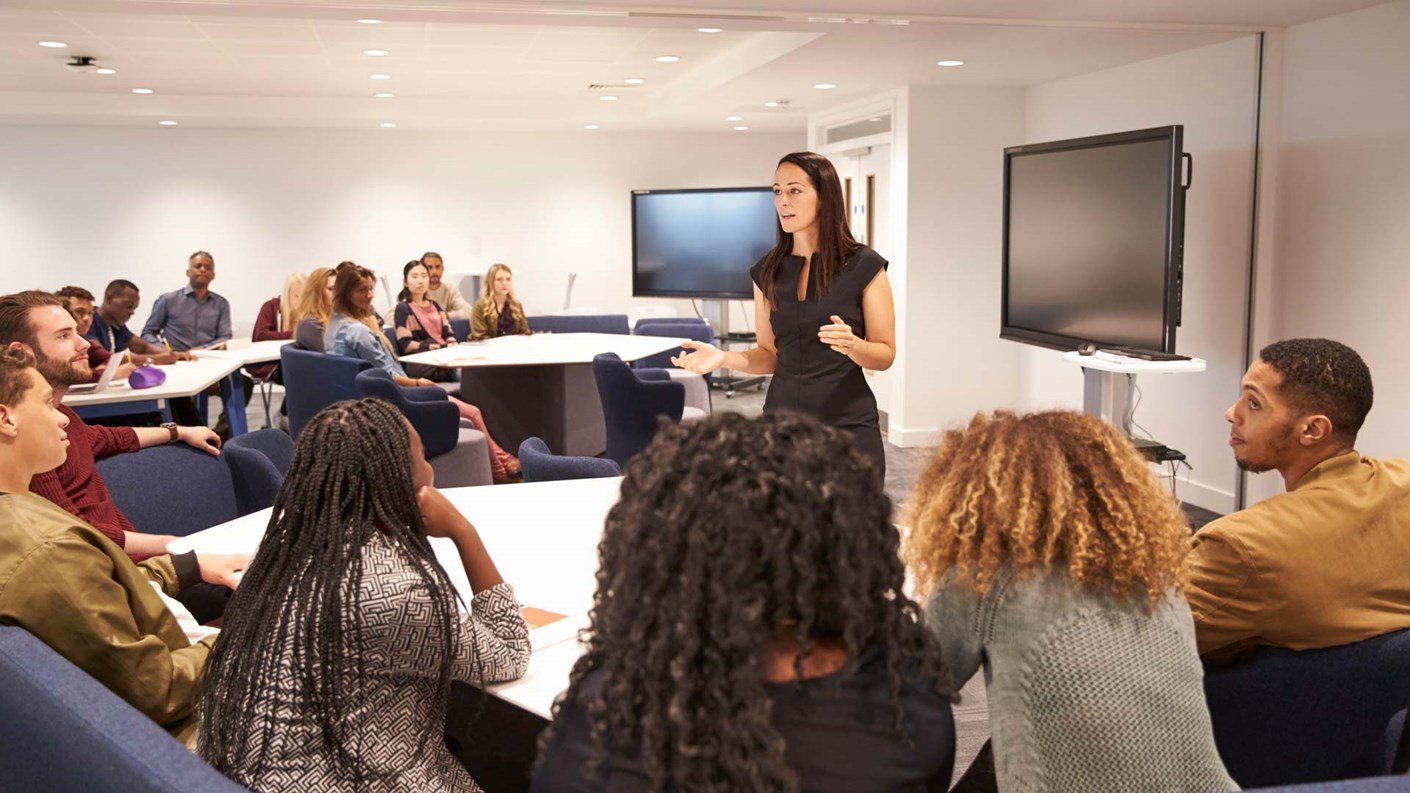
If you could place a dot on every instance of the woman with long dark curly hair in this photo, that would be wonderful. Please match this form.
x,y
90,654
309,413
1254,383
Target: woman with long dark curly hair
x,y
1054,557
335,660
750,631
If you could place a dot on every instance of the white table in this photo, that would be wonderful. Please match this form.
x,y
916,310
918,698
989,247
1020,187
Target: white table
x,y
541,385
542,536
249,352
183,379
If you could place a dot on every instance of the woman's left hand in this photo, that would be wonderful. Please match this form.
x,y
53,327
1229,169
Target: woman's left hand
x,y
452,343
838,336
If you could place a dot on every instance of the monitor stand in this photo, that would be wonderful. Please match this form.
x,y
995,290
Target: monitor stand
x,y
1108,383
725,379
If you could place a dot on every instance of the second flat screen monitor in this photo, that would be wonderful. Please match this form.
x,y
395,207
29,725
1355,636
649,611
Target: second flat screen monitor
x,y
1087,243
700,243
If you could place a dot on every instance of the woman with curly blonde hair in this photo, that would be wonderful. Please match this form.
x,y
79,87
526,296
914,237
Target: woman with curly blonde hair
x,y
1051,555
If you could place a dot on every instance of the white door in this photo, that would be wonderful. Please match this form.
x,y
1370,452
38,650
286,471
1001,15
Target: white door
x,y
866,189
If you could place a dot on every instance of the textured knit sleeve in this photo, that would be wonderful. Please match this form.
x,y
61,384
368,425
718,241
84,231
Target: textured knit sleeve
x,y
108,441
406,326
456,305
952,616
1222,593
49,487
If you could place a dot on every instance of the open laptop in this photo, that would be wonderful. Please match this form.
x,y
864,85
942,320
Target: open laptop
x,y
103,381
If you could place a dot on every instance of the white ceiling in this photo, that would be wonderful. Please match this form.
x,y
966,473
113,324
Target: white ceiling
x,y
529,65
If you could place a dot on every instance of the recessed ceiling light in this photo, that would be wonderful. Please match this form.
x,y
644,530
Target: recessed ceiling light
x,y
384,95
734,118
53,44
375,53
608,98
142,91
380,76
667,58
710,30
949,63
633,81
591,126
388,124
771,104
167,123
106,70
741,128
369,21
825,86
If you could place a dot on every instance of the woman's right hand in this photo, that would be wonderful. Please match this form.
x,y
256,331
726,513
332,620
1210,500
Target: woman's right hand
x,y
703,358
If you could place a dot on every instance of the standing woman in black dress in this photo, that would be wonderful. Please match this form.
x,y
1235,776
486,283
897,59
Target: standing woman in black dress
x,y
823,309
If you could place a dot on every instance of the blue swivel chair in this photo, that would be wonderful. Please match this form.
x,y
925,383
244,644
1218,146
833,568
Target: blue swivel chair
x,y
458,453
541,465
258,462
646,322
170,489
461,329
62,730
697,387
633,402
315,380
580,323
1285,717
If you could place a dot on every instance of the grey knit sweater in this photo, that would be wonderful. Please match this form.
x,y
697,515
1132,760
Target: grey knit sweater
x,y
1086,692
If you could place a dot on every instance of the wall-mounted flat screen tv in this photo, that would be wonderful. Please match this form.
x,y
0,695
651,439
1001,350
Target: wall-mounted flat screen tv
x,y
700,243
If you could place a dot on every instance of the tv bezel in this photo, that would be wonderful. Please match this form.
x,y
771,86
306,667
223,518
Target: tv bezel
x,y
1174,236
689,294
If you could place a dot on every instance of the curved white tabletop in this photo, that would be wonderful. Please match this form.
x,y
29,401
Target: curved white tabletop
x,y
248,352
543,537
183,379
544,349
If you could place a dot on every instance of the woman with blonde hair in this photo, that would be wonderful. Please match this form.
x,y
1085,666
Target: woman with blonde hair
x,y
316,306
276,320
1051,556
498,312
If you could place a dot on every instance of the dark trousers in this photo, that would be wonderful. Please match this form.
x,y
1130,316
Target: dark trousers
x,y
980,777
185,412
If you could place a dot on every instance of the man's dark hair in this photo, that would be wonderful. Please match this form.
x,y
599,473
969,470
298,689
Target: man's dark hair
x,y
14,315
206,254
70,292
431,255
14,382
117,285
1323,376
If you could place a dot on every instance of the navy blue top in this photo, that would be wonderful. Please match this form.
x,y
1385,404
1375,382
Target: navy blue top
x,y
113,338
840,734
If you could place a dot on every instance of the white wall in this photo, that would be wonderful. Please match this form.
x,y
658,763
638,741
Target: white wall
x,y
1344,196
87,205
1212,92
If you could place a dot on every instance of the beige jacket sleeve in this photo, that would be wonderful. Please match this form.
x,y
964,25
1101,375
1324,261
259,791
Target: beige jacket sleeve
x,y
455,304
1224,596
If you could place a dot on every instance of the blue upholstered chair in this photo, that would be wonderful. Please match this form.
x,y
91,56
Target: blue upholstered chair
x,y
580,323
458,452
697,387
315,380
170,489
62,730
1285,717
258,462
633,402
1375,784
646,322
461,329
541,465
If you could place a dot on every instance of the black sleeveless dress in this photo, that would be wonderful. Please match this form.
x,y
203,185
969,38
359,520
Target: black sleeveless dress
x,y
811,376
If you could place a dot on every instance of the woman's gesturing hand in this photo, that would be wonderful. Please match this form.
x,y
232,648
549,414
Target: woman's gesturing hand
x,y
838,336
703,358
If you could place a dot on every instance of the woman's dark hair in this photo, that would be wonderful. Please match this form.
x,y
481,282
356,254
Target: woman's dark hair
x,y
350,277
349,480
727,532
835,242
405,293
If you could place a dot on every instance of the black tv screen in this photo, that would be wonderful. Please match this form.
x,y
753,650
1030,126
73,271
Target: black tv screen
x,y
700,243
1093,241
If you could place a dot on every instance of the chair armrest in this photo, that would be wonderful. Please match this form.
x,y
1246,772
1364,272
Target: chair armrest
x,y
438,424
652,375
425,393
664,397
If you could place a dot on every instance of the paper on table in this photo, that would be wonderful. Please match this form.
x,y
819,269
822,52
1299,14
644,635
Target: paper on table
x,y
547,628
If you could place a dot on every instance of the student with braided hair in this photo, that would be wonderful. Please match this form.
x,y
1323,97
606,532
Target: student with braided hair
x,y
353,331
750,631
340,646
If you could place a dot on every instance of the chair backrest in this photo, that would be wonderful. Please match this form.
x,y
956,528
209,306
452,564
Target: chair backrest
x,y
580,323
461,329
258,462
436,421
315,380
646,322
677,327
62,730
1284,717
170,489
632,405
541,465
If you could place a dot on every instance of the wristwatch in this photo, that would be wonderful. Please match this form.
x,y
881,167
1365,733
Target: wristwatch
x,y
170,427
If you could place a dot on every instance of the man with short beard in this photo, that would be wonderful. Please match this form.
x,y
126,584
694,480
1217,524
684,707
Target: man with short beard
x,y
1325,563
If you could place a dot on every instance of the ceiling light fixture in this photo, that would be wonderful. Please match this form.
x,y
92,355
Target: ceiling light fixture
x,y
741,128
711,30
591,126
608,98
734,118
633,81
380,76
825,86
369,21
949,63
106,70
384,95
388,124
667,58
58,45
771,103
375,53
142,91
167,123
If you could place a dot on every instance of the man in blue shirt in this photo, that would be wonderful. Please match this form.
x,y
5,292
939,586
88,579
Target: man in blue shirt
x,y
109,328
193,316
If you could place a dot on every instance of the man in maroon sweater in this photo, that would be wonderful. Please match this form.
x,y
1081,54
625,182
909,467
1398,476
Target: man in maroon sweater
x,y
36,321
